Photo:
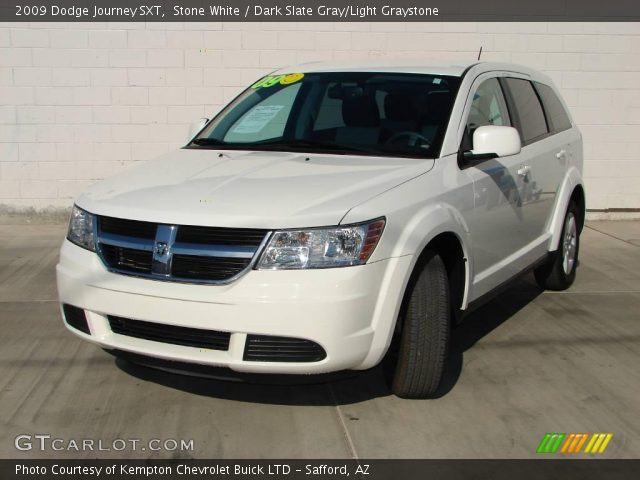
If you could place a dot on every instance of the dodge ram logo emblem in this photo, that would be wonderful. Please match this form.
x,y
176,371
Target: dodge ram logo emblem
x,y
162,255
161,248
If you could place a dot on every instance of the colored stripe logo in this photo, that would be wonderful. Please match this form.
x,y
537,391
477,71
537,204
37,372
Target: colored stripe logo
x,y
573,443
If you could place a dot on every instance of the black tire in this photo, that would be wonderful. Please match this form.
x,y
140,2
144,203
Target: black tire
x,y
425,334
559,272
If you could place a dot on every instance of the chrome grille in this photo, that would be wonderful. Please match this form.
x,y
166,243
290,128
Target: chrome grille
x,y
212,268
178,253
127,258
130,228
220,236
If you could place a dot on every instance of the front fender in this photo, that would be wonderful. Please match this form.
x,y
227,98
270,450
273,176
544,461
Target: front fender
x,y
404,239
426,225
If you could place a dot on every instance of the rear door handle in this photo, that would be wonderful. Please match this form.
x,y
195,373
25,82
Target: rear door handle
x,y
524,170
562,154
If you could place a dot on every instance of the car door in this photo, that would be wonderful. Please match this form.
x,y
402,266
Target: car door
x,y
543,156
561,146
497,223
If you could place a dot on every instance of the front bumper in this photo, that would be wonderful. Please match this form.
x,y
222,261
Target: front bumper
x,y
350,312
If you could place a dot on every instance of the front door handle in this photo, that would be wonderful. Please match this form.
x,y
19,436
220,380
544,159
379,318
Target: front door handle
x,y
561,155
524,170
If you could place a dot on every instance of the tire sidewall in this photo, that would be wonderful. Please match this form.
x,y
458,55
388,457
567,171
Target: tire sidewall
x,y
568,278
433,324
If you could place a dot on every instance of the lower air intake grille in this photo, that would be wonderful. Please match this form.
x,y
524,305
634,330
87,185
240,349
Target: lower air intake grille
x,y
265,348
160,332
76,318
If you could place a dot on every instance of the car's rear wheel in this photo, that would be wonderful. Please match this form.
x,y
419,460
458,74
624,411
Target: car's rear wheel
x,y
424,337
559,272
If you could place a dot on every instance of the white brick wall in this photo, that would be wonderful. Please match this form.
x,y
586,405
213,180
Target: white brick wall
x,y
80,102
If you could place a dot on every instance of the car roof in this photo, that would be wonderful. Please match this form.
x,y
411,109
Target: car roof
x,y
425,66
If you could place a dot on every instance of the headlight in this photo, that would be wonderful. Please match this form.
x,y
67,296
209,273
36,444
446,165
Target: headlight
x,y
81,229
322,247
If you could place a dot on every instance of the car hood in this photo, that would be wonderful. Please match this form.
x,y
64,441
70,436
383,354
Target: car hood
x,y
248,189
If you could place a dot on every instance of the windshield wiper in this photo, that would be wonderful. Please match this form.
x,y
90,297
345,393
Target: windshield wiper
x,y
209,141
306,143
297,144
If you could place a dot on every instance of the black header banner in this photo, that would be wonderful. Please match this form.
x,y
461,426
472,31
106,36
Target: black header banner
x,y
318,10
564,469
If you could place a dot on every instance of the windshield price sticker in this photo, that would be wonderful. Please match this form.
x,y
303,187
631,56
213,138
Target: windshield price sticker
x,y
257,118
271,80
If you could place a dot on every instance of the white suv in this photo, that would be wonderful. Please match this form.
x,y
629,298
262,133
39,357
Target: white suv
x,y
326,211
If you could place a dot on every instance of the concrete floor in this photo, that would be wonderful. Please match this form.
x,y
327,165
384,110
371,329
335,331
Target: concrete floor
x,y
532,363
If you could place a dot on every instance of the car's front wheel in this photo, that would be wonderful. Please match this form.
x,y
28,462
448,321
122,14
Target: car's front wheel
x,y
559,272
424,337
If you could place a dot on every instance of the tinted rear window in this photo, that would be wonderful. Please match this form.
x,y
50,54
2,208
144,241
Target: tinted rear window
x,y
557,115
532,120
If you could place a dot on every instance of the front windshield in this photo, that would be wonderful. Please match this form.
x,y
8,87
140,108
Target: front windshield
x,y
390,114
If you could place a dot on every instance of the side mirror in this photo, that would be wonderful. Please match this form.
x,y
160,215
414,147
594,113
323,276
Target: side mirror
x,y
496,141
195,127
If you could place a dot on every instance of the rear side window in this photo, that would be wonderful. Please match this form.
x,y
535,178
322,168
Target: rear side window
x,y
556,114
532,122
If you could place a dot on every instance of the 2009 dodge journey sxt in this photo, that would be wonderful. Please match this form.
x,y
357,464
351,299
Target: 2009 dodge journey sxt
x,y
329,215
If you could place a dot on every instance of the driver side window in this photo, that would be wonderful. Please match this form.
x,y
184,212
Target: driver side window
x,y
489,107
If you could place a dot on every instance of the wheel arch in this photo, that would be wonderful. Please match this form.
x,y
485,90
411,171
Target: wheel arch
x,y
441,228
572,188
449,247
578,197
448,237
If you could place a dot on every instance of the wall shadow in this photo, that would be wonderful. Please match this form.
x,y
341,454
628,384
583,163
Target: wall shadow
x,y
346,387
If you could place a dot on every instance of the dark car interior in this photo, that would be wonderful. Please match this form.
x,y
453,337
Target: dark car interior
x,y
401,116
